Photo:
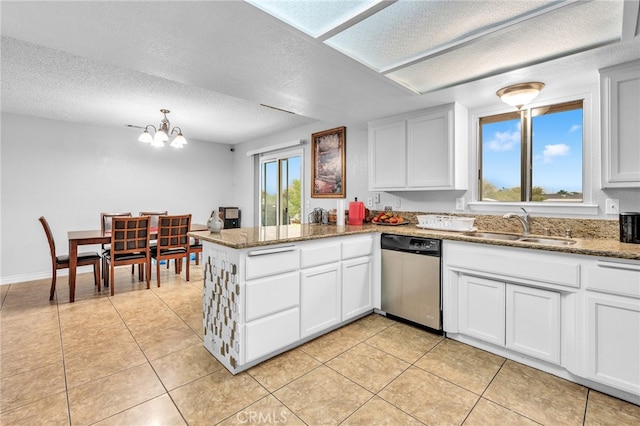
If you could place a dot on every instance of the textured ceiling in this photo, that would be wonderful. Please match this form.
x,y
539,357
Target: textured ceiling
x,y
212,63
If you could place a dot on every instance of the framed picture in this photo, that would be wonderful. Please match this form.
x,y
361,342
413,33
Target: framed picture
x,y
328,163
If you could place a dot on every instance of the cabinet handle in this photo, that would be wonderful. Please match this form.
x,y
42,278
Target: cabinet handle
x,y
271,250
618,265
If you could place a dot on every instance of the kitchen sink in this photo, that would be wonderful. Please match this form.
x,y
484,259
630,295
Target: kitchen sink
x,y
518,238
548,241
492,235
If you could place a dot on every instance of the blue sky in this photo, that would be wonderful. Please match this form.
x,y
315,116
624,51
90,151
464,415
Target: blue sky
x,y
272,174
557,152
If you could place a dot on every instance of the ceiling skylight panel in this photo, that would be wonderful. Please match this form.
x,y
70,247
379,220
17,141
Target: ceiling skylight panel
x,y
409,29
563,32
312,16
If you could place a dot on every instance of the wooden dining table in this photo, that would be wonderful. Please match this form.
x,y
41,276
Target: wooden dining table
x,y
82,238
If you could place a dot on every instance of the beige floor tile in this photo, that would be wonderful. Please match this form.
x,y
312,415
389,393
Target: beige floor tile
x,y
380,413
369,367
100,399
330,345
323,397
367,327
30,386
217,396
283,369
539,396
85,364
404,341
489,413
52,410
34,355
267,411
461,364
159,411
185,365
429,398
156,344
606,410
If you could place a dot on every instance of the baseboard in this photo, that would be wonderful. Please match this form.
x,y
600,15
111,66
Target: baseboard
x,y
22,278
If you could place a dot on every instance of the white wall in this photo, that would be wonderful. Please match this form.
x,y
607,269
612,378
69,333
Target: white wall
x,y
70,173
436,201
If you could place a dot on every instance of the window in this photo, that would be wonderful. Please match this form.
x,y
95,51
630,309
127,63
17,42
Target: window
x,y
533,155
280,189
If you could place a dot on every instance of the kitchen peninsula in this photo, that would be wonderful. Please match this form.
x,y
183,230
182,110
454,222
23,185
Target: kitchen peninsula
x,y
270,289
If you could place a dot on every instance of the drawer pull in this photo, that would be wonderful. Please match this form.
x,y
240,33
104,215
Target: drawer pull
x,y
618,265
262,252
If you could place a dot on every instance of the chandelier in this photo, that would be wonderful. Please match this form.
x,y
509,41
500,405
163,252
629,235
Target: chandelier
x,y
518,95
162,134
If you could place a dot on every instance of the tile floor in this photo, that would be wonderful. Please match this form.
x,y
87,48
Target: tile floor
x,y
137,359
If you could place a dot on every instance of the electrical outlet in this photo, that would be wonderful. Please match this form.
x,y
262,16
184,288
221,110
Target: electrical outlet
x,y
369,202
612,206
460,204
387,208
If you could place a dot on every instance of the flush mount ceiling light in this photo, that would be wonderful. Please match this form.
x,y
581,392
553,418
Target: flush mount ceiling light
x,y
162,134
518,95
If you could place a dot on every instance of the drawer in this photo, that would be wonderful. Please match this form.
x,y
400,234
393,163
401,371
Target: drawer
x,y
271,333
614,278
271,261
319,254
267,296
356,247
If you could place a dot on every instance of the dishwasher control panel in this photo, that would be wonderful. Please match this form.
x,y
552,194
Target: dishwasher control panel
x,y
426,246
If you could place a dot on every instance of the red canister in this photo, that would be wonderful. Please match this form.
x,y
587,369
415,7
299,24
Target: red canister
x,y
356,212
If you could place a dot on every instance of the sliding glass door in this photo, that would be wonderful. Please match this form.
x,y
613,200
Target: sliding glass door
x,y
281,189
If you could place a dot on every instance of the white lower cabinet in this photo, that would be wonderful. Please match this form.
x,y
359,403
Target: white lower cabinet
x,y
357,291
533,322
271,333
481,308
613,341
319,298
524,319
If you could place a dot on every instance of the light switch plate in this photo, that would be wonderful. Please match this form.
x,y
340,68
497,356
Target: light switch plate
x,y
369,201
460,204
612,206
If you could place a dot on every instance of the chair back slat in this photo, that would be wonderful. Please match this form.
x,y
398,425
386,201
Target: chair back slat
x,y
154,217
107,218
172,231
47,231
130,234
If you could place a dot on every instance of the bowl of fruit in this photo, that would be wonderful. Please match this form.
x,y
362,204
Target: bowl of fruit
x,y
389,218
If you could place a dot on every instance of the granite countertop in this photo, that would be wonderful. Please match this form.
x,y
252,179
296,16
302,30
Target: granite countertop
x,y
242,238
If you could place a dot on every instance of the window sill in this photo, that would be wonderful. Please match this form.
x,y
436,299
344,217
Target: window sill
x,y
573,209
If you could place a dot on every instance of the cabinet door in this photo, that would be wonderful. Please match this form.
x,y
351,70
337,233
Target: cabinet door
x,y
482,308
620,125
357,297
533,322
387,155
319,298
613,341
430,150
271,333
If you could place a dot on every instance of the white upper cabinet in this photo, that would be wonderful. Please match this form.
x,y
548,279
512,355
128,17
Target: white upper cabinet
x,y
620,100
422,150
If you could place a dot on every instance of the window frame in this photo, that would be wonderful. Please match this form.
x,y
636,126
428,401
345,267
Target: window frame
x,y
589,162
277,156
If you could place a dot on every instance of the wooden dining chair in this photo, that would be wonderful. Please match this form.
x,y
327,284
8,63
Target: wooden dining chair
x,y
154,215
129,246
62,261
105,226
173,242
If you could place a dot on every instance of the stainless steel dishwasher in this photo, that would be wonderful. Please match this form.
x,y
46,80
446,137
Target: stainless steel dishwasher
x,y
411,279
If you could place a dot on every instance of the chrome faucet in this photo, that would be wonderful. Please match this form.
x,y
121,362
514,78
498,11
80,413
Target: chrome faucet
x,y
524,220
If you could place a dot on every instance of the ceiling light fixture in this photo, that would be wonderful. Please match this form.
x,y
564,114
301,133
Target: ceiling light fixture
x,y
162,134
518,95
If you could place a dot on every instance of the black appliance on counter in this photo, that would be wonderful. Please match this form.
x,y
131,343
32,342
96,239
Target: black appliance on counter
x,y
630,227
230,216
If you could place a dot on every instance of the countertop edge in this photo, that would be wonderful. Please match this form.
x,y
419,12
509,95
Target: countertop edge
x,y
246,238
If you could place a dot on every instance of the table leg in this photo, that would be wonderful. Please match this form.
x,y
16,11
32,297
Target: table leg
x,y
73,263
